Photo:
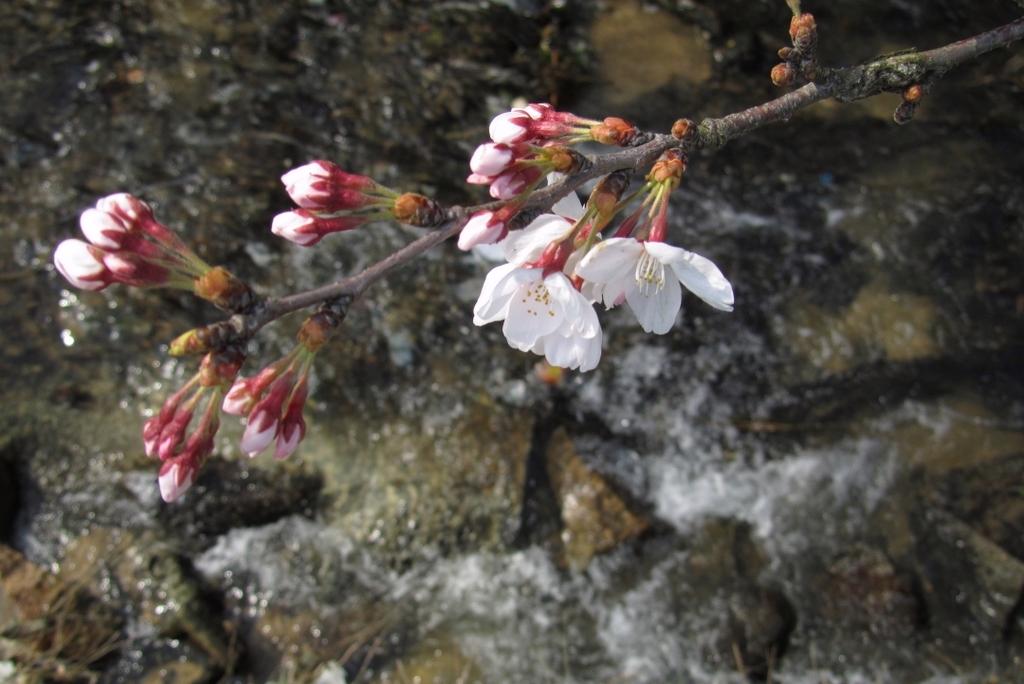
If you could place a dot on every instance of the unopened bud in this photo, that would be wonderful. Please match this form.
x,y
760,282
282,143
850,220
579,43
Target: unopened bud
x,y
220,368
802,23
684,130
785,53
219,287
417,210
668,169
609,191
904,113
783,74
318,328
614,131
207,338
913,94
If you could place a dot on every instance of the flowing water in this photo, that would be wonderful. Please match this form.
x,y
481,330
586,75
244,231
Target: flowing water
x,y
823,486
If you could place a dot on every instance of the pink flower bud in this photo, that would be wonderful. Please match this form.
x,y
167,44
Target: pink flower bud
x,y
155,425
511,183
305,228
177,475
82,265
293,431
173,433
103,229
293,427
260,430
322,186
240,398
490,159
483,228
125,206
533,123
510,128
298,226
132,269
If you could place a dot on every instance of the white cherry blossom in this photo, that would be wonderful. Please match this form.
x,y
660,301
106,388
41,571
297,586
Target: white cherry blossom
x,y
543,314
626,268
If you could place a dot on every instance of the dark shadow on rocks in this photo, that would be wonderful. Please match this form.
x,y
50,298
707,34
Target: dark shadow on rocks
x,y
232,494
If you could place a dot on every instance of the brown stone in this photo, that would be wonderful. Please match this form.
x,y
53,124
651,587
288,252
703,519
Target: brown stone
x,y
594,518
57,622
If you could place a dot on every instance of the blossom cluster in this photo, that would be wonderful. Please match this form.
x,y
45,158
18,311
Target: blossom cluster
x,y
125,244
558,266
332,201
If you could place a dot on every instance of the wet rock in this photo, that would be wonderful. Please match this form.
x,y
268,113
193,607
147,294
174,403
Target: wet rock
x,y
989,498
760,622
161,660
594,518
230,494
49,625
878,324
753,631
966,575
450,480
862,591
431,660
140,574
640,51
298,598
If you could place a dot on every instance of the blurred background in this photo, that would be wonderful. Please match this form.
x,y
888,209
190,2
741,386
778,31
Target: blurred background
x,y
826,485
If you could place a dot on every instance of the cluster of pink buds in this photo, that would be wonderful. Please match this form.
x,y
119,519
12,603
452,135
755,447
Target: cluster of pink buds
x,y
273,400
167,435
536,123
514,170
541,124
127,245
331,201
529,144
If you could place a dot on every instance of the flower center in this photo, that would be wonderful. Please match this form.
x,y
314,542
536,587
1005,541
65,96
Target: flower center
x,y
650,275
541,300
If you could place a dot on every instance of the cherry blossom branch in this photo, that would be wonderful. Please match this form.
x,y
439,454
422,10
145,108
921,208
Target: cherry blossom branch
x,y
557,268
892,73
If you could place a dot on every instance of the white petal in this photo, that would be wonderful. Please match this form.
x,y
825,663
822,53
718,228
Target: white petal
x,y
574,351
579,314
527,245
255,441
569,206
78,263
698,274
503,128
499,286
102,229
590,353
478,231
532,313
285,446
655,307
294,227
610,261
170,488
490,159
